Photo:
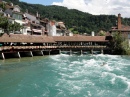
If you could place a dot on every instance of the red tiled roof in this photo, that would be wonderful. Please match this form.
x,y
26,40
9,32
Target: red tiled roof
x,y
80,38
9,7
120,30
26,38
49,39
125,27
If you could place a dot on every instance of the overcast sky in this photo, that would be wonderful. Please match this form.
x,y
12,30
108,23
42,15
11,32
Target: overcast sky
x,y
96,7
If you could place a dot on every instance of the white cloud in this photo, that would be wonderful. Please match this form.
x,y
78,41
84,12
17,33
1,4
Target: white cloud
x,y
97,7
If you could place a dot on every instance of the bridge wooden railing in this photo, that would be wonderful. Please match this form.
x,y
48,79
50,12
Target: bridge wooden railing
x,y
45,47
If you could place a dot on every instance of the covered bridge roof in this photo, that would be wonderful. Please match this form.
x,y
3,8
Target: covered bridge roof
x,y
26,38
80,38
50,39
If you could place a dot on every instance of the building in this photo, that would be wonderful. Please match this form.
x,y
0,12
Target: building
x,y
14,14
13,11
61,29
123,29
33,24
51,28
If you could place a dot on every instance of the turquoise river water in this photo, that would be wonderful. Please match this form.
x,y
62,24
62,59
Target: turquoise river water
x,y
66,76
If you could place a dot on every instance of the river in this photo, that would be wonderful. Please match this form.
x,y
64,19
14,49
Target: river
x,y
66,76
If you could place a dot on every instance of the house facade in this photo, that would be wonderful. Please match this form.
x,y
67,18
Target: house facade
x,y
15,13
33,24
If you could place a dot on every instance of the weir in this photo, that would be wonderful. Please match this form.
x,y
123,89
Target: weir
x,y
26,54
54,52
76,52
46,52
7,55
19,54
82,52
37,53
86,52
69,52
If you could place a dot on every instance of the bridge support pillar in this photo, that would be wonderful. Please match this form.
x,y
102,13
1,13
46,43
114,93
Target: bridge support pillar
x,y
81,52
49,52
91,51
2,56
60,51
31,53
70,52
19,55
102,52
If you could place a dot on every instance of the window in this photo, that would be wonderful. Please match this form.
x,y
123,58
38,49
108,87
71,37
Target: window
x,y
129,35
17,16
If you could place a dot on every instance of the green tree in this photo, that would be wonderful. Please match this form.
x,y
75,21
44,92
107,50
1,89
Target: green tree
x,y
14,27
120,44
102,33
2,5
9,26
126,47
3,22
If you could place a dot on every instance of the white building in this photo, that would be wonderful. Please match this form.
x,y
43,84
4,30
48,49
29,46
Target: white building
x,y
51,28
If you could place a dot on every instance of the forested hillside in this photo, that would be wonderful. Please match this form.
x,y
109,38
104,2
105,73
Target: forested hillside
x,y
77,21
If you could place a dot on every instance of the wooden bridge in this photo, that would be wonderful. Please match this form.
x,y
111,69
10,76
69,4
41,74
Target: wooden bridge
x,y
18,45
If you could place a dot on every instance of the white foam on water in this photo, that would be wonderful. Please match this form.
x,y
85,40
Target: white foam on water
x,y
126,81
97,65
108,56
61,93
123,79
76,62
118,68
64,76
100,93
64,55
104,74
107,67
113,80
113,56
46,93
71,86
128,87
90,63
89,94
56,57
60,56
36,86
76,74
